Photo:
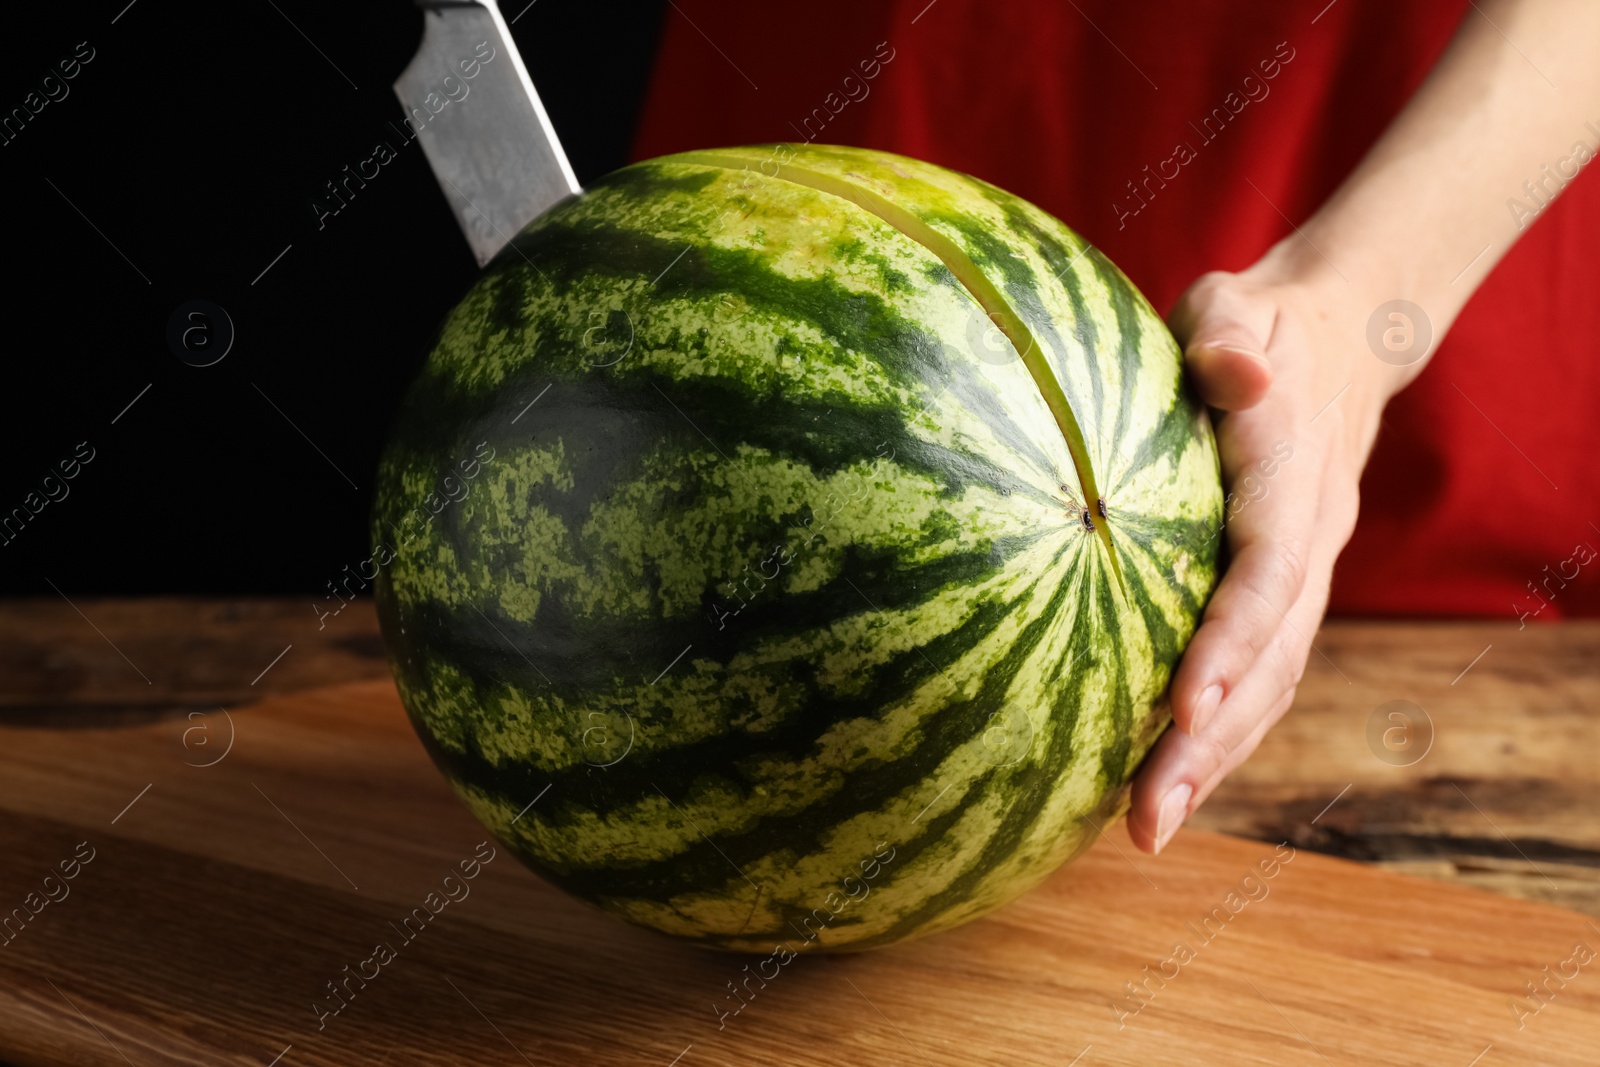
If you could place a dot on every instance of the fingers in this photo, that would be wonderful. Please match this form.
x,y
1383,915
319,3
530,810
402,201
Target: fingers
x,y
1184,768
1166,794
1227,375
1225,331
1239,673
1271,538
1245,749
1238,625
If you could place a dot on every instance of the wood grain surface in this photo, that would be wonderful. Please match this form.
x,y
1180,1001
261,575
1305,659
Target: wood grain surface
x,y
220,899
65,662
1507,797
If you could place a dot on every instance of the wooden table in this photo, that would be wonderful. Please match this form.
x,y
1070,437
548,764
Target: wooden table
x,y
164,950
1507,799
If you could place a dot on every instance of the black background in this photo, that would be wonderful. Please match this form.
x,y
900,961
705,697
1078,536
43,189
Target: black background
x,y
194,141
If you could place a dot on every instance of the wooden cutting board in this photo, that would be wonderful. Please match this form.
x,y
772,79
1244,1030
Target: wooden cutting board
x,y
220,899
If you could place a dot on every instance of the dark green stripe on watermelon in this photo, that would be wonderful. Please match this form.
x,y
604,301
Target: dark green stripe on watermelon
x,y
961,586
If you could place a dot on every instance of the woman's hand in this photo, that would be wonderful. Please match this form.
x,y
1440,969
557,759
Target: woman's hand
x,y
1296,395
1281,352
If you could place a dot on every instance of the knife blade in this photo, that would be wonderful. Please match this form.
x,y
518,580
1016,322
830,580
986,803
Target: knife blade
x,y
471,104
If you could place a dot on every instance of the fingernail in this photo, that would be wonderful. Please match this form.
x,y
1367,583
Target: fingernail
x,y
1174,806
1204,708
1243,350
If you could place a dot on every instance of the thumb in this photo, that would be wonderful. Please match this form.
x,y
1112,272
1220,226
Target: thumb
x,y
1224,330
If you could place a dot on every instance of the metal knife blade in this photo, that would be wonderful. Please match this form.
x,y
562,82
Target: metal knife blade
x,y
469,100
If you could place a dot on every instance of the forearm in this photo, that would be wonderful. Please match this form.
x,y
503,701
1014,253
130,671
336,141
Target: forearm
x,y
1428,213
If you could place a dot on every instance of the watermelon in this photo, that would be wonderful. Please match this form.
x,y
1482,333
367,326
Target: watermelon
x,y
792,547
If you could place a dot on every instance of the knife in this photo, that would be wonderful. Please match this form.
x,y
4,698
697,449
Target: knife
x,y
469,101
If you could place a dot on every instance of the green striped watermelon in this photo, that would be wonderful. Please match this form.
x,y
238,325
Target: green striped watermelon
x,y
794,546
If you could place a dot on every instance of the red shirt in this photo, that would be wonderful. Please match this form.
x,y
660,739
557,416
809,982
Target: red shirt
x,y
1144,127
